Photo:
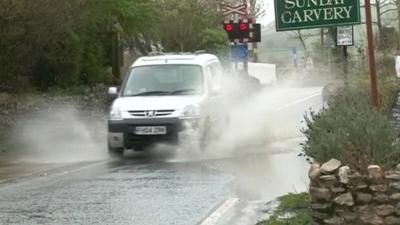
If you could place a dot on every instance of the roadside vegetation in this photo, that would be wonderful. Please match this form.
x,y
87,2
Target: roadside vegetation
x,y
351,130
46,44
294,209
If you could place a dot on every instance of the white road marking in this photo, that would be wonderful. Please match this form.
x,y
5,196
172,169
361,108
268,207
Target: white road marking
x,y
299,101
80,168
218,213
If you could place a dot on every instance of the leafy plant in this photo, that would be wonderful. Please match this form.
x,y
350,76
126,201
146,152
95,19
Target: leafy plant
x,y
351,130
294,201
293,210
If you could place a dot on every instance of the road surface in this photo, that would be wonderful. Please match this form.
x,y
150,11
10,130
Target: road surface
x,y
171,186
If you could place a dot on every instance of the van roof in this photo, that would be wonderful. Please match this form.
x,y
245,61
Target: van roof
x,y
192,59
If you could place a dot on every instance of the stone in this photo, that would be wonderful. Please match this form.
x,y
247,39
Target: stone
x,y
337,190
364,209
345,199
363,197
381,198
376,220
348,216
395,197
397,209
327,181
375,173
324,207
371,219
314,171
323,194
395,186
378,188
357,181
334,221
393,176
391,220
341,209
361,187
327,178
331,166
385,210
344,174
398,168
319,215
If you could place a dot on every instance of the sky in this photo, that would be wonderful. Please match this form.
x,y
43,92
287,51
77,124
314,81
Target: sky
x,y
269,12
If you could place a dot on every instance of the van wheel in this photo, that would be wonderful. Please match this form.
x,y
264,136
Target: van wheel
x,y
207,135
115,152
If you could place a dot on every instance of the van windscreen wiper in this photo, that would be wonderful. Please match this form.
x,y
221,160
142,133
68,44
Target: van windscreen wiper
x,y
185,91
149,93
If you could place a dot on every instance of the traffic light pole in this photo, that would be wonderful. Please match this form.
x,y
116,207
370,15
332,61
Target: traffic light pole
x,y
371,53
246,66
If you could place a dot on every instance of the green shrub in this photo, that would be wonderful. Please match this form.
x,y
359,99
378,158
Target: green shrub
x,y
388,87
351,130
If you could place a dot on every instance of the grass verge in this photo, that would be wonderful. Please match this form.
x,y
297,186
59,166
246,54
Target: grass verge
x,y
294,209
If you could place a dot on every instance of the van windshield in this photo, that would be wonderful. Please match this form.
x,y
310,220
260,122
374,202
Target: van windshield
x,y
164,80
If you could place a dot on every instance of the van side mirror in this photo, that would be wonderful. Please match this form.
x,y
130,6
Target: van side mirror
x,y
113,92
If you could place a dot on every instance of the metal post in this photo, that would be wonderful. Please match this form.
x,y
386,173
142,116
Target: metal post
x,y
255,52
346,73
371,53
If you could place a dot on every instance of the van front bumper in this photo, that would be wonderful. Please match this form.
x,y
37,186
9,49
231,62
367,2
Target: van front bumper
x,y
121,133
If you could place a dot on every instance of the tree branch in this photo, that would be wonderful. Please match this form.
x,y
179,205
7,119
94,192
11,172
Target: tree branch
x,y
386,11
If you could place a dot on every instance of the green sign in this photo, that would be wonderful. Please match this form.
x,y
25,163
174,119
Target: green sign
x,y
305,14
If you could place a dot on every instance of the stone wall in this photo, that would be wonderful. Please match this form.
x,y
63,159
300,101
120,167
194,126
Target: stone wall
x,y
13,107
342,196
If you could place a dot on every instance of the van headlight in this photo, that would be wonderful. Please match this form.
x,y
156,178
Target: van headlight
x,y
191,112
115,114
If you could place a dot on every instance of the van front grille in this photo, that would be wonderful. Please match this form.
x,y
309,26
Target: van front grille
x,y
151,113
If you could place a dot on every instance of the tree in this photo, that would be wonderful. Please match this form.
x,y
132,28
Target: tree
x,y
64,42
184,23
397,4
68,42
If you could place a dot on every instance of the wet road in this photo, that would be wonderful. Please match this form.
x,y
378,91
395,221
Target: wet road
x,y
125,192
165,188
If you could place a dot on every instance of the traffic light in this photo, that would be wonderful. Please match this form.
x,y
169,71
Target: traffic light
x,y
243,31
238,31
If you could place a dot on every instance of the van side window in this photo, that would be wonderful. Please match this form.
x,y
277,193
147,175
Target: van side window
x,y
209,71
216,72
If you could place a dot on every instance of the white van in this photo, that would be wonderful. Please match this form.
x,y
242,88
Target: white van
x,y
160,97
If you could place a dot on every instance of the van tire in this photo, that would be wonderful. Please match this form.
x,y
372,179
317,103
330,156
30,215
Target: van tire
x,y
115,152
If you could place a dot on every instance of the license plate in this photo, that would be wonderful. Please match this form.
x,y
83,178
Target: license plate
x,y
156,130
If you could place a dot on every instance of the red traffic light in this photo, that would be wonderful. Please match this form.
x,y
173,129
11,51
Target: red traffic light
x,y
229,27
243,26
